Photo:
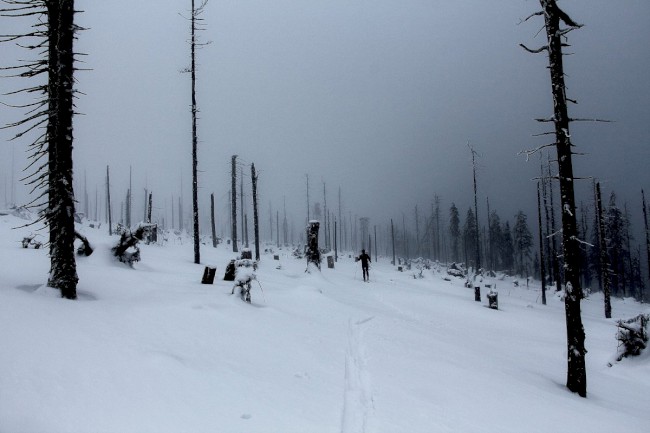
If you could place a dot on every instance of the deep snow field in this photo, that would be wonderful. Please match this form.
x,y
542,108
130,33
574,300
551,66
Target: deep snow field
x,y
150,349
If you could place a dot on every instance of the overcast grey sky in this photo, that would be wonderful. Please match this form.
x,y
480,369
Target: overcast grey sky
x,y
377,97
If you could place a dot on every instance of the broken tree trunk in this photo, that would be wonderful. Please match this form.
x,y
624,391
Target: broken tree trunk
x,y
313,253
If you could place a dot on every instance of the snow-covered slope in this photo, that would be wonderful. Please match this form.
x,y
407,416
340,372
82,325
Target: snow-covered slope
x,y
150,349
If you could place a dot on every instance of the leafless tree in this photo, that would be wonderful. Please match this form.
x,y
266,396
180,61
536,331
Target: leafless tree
x,y
52,36
555,32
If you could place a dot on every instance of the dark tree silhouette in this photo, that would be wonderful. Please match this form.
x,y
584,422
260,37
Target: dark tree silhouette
x,y
108,202
233,202
553,17
55,29
542,269
454,232
604,259
256,223
194,22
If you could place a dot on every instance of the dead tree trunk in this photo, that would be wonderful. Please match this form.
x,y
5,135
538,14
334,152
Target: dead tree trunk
x,y
149,208
576,371
478,240
108,202
647,234
313,253
214,231
233,202
604,257
242,209
196,11
63,273
541,246
392,235
256,222
557,276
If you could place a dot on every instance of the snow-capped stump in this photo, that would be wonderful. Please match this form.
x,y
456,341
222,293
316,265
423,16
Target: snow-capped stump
x,y
477,293
208,275
632,335
493,299
230,271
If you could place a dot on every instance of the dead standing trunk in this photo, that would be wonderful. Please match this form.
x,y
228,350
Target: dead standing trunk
x,y
63,271
576,371
212,225
108,202
604,256
233,203
542,271
313,253
256,222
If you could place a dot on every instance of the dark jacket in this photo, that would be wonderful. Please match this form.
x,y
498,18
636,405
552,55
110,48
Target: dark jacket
x,y
365,259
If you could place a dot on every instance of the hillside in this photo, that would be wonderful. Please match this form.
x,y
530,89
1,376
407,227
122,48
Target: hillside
x,y
150,349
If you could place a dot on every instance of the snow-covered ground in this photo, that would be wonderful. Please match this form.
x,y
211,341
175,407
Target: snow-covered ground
x,y
150,349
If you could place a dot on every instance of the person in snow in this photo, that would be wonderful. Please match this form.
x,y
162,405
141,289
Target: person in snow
x,y
365,260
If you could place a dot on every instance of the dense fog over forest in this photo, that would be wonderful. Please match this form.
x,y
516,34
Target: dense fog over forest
x,y
378,99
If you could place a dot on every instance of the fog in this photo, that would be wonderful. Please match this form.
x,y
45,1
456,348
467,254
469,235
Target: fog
x,y
379,99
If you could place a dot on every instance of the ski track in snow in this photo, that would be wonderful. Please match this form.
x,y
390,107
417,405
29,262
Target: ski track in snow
x,y
357,398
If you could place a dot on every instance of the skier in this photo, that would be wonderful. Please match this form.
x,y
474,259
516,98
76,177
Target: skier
x,y
365,260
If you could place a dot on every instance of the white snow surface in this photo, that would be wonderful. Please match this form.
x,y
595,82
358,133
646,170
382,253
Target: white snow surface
x,y
150,349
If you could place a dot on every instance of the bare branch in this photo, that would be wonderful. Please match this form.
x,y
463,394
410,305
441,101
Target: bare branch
x,y
530,152
590,120
534,51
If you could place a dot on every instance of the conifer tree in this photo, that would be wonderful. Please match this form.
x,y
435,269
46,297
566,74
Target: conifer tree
x,y
523,242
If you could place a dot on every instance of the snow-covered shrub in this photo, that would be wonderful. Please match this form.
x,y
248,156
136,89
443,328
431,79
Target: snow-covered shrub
x,y
243,279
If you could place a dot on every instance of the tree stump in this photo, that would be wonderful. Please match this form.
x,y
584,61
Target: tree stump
x,y
493,299
208,275
230,271
330,262
477,293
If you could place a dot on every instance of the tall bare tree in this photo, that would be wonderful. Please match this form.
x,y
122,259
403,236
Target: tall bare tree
x,y
233,202
542,267
477,242
555,32
256,223
52,36
195,24
604,256
108,202
647,232
212,224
